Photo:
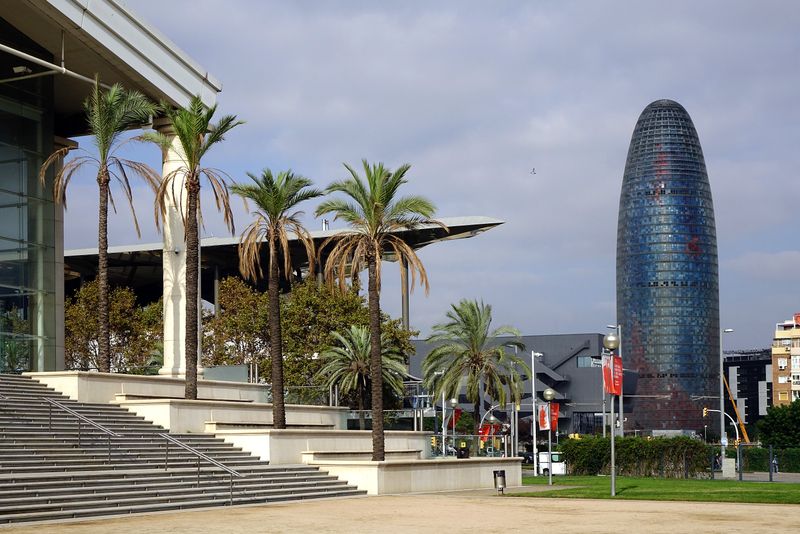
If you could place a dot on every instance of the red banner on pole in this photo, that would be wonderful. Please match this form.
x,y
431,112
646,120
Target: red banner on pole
x,y
612,374
544,417
554,416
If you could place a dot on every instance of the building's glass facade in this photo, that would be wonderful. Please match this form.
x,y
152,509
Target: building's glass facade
x,y
27,240
667,281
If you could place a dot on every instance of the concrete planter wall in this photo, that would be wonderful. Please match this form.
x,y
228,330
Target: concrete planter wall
x,y
86,386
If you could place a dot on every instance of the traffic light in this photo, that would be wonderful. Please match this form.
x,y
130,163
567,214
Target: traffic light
x,y
705,412
433,441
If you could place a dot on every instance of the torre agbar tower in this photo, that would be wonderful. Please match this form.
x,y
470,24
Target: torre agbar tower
x,y
667,284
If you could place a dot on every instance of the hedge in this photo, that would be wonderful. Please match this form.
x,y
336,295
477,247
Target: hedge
x,y
642,457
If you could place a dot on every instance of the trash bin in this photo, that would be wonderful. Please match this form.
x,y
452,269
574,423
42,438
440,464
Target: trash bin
x,y
462,452
499,480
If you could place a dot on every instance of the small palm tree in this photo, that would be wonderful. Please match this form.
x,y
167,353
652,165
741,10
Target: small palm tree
x,y
275,197
109,113
468,351
347,365
375,213
197,135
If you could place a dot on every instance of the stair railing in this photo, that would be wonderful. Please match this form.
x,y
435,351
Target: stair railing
x,y
109,433
200,456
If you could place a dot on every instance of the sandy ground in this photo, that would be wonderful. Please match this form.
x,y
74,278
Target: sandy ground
x,y
449,513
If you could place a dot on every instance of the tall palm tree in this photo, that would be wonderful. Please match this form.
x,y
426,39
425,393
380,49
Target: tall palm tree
x,y
347,365
275,198
109,113
469,351
197,136
375,213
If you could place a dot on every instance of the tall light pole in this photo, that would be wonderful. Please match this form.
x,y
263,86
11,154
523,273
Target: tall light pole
x,y
722,391
549,395
611,342
453,404
618,328
535,447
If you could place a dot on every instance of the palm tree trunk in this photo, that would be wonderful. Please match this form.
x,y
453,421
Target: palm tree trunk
x,y
192,268
361,422
104,343
477,417
376,371
275,352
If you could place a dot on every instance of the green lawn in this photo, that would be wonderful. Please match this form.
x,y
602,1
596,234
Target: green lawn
x,y
657,489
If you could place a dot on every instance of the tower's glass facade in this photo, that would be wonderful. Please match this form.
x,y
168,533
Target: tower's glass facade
x,y
667,283
27,216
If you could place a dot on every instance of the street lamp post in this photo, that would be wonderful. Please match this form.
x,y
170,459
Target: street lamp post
x,y
618,328
453,404
722,392
549,395
611,342
535,447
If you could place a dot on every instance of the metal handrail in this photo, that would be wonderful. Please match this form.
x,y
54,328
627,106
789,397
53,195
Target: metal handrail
x,y
231,472
98,426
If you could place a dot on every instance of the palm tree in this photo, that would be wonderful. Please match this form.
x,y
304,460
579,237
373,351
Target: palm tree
x,y
468,351
275,198
375,213
109,113
197,135
347,365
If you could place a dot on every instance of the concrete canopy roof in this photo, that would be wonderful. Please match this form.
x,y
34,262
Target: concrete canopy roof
x,y
103,37
140,266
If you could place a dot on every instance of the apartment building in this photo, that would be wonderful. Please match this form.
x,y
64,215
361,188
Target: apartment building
x,y
786,362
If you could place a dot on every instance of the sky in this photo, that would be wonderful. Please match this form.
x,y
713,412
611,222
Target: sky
x,y
475,96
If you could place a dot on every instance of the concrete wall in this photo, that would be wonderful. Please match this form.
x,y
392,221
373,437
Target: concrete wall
x,y
86,386
286,446
415,476
180,415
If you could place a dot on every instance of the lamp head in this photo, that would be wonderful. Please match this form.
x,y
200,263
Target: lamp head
x,y
492,419
611,341
549,394
453,402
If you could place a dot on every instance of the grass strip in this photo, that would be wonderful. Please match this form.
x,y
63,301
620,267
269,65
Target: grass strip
x,y
658,489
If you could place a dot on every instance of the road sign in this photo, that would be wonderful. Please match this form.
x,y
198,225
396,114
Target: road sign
x,y
725,441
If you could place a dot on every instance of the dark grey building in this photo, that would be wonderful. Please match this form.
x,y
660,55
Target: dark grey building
x,y
749,374
667,282
569,365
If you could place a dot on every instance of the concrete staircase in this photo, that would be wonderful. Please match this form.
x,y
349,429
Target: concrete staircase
x,y
52,468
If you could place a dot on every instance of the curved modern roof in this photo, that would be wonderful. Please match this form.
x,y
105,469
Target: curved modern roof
x,y
140,266
106,38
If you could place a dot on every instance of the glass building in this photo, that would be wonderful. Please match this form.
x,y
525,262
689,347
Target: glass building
x,y
27,215
667,275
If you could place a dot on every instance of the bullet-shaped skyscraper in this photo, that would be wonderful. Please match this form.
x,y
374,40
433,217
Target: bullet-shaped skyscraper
x,y
667,273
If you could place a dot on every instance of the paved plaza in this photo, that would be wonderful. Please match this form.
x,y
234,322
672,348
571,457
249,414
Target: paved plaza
x,y
479,512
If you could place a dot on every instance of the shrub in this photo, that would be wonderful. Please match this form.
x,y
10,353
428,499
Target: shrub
x,y
635,456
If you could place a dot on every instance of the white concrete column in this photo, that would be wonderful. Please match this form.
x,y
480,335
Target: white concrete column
x,y
174,262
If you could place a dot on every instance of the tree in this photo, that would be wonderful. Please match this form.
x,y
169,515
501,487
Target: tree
x,y
109,113
468,351
134,331
276,199
347,365
781,426
374,212
310,314
237,335
197,135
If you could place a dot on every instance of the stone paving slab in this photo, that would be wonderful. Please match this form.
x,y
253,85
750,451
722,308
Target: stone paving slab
x,y
478,512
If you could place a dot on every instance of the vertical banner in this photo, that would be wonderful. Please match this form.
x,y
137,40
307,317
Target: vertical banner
x,y
544,417
612,374
554,416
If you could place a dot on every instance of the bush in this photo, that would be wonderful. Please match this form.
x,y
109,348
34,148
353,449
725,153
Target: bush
x,y
757,459
642,457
